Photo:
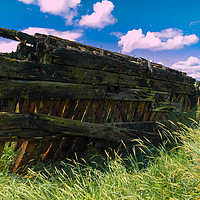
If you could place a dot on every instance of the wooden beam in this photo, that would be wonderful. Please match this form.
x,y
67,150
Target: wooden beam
x,y
150,126
51,126
76,54
17,35
111,61
24,70
47,90
85,59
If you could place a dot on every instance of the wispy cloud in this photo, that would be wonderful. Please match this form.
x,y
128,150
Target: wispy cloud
x,y
7,46
194,23
191,66
164,40
101,16
117,34
64,8
70,35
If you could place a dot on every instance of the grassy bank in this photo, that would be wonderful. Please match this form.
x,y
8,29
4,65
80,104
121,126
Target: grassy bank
x,y
138,172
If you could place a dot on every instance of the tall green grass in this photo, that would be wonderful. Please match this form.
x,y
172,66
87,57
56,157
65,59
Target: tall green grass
x,y
140,171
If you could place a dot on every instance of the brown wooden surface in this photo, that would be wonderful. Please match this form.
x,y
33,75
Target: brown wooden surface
x,y
38,126
24,70
17,35
93,57
19,157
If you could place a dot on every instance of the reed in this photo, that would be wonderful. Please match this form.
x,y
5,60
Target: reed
x,y
139,171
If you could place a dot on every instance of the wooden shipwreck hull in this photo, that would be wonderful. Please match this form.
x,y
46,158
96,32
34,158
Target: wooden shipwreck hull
x,y
61,93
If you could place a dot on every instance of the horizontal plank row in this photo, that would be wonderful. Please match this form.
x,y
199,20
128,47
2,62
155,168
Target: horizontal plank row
x,y
104,59
48,90
15,69
26,126
88,60
78,54
17,35
160,101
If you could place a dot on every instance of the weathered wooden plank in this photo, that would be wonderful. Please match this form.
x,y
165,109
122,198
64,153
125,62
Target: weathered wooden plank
x,y
150,126
68,74
57,127
13,121
47,90
19,156
17,35
109,61
65,44
25,155
128,94
123,64
89,60
122,111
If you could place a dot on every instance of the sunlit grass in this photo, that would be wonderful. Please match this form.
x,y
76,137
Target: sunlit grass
x,y
140,171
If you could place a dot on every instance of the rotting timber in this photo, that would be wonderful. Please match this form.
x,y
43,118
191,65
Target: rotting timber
x,y
59,96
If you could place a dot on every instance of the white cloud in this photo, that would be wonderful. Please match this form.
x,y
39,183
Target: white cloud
x,y
191,66
165,40
169,33
27,1
101,16
64,8
70,35
6,46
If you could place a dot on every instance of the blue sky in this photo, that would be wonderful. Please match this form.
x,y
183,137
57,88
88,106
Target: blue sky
x,y
167,32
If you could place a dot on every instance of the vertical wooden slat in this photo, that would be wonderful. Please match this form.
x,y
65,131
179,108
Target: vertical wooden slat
x,y
86,111
129,110
50,108
152,116
77,108
31,106
17,146
189,102
2,145
115,113
146,111
139,112
19,156
66,102
82,110
122,111
133,111
17,110
25,154
25,105
186,102
110,114
47,146
12,105
109,108
61,106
